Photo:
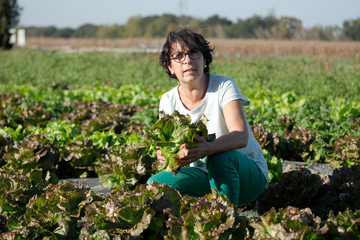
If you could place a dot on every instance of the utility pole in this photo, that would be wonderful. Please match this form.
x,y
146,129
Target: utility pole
x,y
182,8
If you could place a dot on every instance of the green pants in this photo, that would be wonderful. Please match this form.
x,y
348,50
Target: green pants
x,y
230,172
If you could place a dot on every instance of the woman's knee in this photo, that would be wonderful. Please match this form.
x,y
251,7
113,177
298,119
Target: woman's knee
x,y
151,179
161,177
189,180
223,160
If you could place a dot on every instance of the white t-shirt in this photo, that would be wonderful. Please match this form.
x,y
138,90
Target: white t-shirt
x,y
221,90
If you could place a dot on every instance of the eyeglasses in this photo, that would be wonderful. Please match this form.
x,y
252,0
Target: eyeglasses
x,y
179,57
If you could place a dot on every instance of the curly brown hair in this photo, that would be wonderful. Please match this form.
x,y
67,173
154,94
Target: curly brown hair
x,y
187,39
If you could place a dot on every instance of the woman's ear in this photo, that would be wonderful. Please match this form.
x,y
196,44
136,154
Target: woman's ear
x,y
170,69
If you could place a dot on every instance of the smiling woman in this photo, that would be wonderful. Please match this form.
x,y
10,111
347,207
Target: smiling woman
x,y
233,163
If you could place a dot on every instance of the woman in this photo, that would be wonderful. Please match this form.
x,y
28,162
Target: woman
x,y
233,163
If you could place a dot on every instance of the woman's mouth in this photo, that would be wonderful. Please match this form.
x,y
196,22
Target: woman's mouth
x,y
189,70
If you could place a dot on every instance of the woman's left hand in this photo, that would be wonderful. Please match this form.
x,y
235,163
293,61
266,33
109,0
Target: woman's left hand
x,y
189,155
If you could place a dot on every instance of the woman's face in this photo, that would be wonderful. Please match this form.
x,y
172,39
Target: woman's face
x,y
187,65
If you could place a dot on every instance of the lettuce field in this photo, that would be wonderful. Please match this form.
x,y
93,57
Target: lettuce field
x,y
78,115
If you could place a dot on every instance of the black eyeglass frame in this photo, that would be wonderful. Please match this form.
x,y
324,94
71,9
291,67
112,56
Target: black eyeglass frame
x,y
180,56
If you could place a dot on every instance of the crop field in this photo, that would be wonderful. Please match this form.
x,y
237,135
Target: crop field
x,y
80,115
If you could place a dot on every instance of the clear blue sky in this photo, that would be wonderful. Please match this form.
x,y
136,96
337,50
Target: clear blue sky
x,y
74,13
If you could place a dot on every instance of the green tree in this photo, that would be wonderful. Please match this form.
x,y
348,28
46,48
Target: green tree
x,y
246,28
63,33
133,27
217,20
48,31
109,31
86,31
289,25
216,26
238,30
9,17
323,33
351,29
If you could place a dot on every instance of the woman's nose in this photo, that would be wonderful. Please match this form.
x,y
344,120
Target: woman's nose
x,y
187,58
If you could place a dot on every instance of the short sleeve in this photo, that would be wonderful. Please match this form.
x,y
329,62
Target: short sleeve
x,y
229,91
164,105
168,101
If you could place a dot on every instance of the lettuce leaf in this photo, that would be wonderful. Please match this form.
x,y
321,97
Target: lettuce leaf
x,y
171,131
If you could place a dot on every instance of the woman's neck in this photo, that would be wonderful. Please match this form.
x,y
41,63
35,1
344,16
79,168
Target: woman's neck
x,y
192,95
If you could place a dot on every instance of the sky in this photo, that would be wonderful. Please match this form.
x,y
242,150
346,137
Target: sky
x,y
74,13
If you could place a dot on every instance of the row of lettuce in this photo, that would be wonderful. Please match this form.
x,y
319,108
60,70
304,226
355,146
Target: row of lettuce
x,y
49,134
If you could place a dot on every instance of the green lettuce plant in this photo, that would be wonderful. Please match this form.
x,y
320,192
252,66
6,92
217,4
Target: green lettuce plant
x,y
130,166
131,214
275,166
344,225
54,213
210,217
288,223
171,131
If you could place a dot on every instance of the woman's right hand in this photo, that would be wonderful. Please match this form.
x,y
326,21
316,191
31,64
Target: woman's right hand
x,y
159,155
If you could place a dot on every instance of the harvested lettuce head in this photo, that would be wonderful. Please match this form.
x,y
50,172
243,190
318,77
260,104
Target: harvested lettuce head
x,y
171,131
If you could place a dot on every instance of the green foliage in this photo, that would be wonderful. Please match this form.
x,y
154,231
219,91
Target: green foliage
x,y
288,223
36,152
56,73
147,117
17,188
17,134
82,155
275,166
130,166
171,131
311,77
54,213
106,139
351,29
65,77
344,225
346,151
210,217
59,131
120,215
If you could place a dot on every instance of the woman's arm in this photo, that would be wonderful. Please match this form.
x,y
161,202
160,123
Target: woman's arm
x,y
237,137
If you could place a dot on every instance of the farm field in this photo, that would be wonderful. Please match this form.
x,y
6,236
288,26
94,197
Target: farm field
x,y
71,115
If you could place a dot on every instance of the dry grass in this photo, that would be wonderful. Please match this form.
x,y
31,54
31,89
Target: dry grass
x,y
89,44
285,48
234,47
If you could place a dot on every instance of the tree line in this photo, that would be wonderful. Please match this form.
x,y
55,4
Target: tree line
x,y
268,27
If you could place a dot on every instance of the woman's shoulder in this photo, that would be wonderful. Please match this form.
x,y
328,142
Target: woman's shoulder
x,y
170,95
220,81
168,101
171,91
220,78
